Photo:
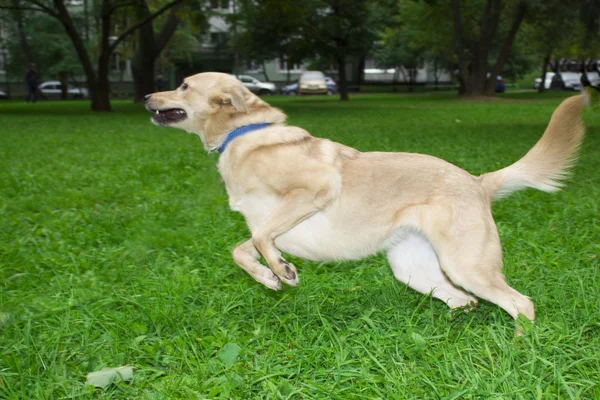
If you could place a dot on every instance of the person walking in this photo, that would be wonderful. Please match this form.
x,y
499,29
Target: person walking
x,y
32,78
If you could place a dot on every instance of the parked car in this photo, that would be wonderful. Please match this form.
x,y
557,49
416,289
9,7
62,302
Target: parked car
x,y
292,90
571,80
256,86
547,82
500,85
312,82
3,95
53,89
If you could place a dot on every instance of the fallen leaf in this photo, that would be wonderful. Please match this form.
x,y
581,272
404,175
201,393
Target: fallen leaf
x,y
229,353
107,376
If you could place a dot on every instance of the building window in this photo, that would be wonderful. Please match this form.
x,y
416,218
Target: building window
x,y
219,4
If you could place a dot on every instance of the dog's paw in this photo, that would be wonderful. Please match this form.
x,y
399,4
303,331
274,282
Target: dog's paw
x,y
269,279
289,274
465,303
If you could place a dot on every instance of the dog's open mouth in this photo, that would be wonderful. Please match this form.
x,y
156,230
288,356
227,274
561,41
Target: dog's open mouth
x,y
168,116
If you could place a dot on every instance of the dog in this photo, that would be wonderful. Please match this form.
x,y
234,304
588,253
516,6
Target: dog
x,y
320,200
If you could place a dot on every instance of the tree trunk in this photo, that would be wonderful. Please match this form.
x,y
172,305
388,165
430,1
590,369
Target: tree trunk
x,y
142,65
265,71
23,38
412,75
507,45
403,72
80,48
64,85
99,84
542,87
459,47
143,79
101,99
360,72
101,94
148,50
436,79
476,78
343,81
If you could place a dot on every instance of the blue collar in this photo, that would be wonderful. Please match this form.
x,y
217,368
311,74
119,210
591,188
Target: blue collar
x,y
239,132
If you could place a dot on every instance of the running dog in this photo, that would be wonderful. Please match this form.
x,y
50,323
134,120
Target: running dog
x,y
321,200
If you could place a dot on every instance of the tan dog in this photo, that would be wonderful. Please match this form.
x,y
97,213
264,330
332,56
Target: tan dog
x,y
321,200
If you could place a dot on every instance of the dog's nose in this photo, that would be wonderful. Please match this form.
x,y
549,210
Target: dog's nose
x,y
146,97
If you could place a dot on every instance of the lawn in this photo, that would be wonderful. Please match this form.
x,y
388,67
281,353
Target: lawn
x,y
115,241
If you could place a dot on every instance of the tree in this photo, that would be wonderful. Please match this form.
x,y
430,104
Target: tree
x,y
590,43
328,30
398,52
149,46
341,29
544,32
267,29
477,35
97,78
41,42
414,36
151,43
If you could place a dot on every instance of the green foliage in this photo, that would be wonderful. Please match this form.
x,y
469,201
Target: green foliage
x,y
301,30
51,49
266,29
338,27
193,25
115,249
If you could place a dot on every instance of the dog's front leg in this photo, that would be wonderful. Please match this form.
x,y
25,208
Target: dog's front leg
x,y
246,256
297,206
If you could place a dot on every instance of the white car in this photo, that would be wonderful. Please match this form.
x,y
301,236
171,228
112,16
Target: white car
x,y
572,80
3,94
53,90
256,86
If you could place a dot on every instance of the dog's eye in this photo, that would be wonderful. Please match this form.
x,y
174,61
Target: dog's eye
x,y
184,86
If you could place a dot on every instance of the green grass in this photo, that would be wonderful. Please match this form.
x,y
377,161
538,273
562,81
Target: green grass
x,y
115,240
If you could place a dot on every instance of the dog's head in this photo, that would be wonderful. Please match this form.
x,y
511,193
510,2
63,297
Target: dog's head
x,y
210,104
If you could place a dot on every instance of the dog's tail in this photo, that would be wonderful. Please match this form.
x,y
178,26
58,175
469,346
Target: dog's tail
x,y
548,162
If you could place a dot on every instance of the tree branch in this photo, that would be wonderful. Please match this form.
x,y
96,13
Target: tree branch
x,y
22,8
168,29
46,9
144,21
459,45
520,14
40,8
115,7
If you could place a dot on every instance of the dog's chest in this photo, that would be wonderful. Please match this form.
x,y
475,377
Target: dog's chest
x,y
254,208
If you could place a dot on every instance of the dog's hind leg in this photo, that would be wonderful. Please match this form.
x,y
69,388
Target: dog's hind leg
x,y
415,263
472,259
246,256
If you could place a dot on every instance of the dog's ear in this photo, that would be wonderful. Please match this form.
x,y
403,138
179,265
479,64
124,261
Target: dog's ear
x,y
233,98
